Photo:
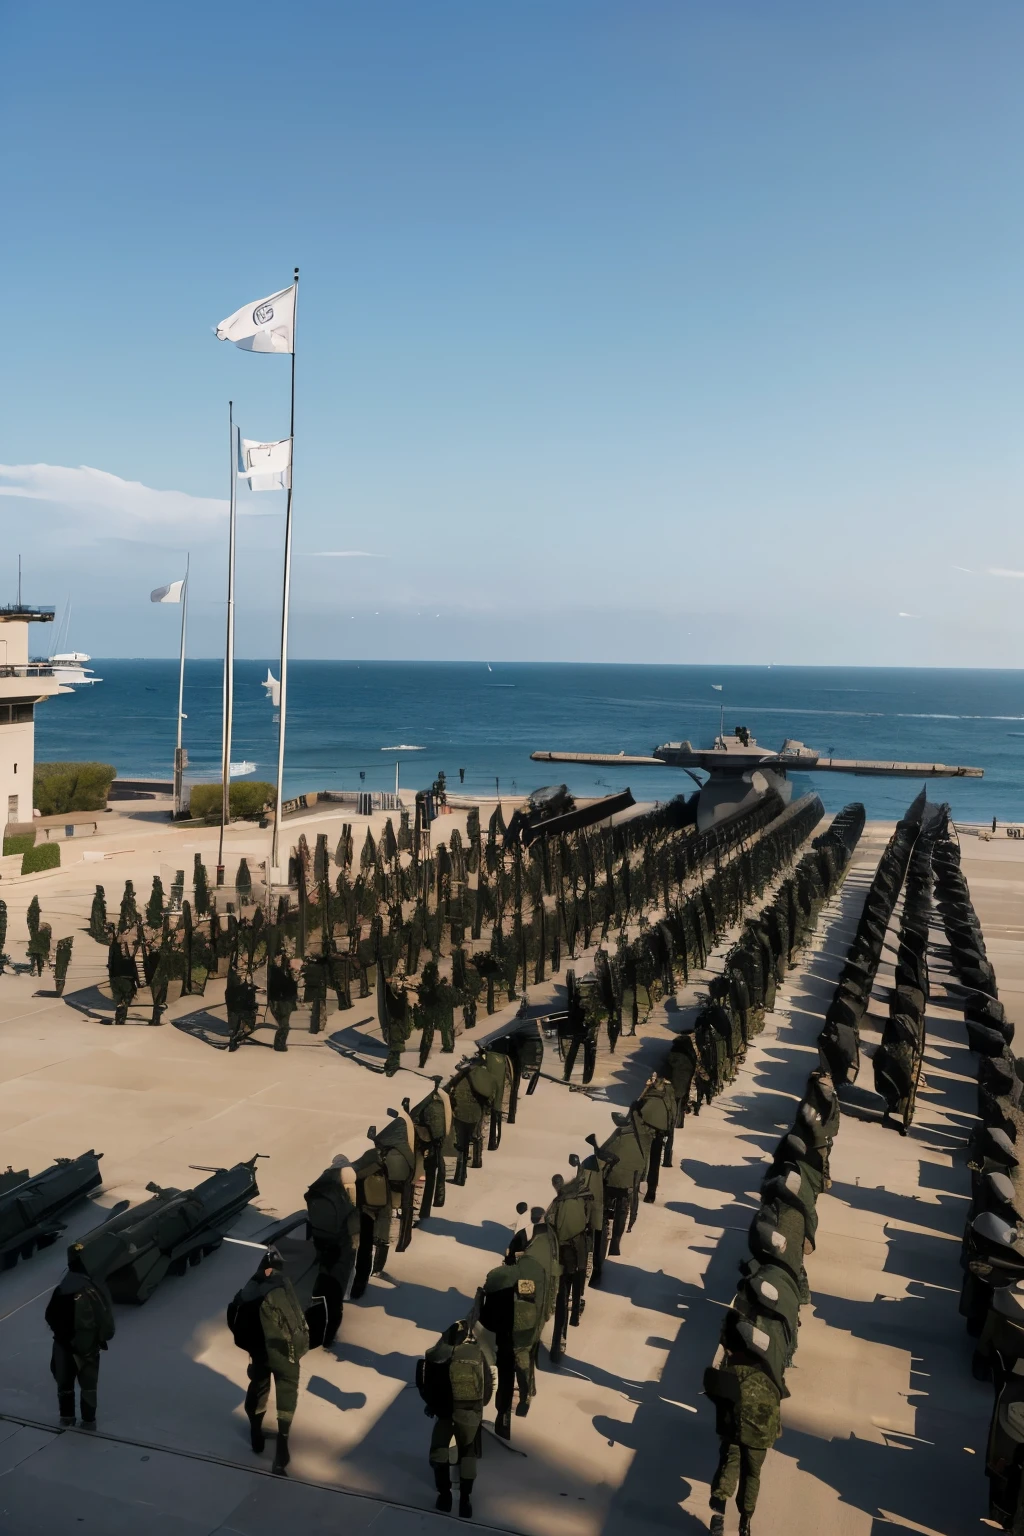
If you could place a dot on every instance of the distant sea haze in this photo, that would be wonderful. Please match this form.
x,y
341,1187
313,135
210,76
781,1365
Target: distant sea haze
x,y
349,722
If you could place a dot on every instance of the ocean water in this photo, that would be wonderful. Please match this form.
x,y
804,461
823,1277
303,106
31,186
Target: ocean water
x,y
345,717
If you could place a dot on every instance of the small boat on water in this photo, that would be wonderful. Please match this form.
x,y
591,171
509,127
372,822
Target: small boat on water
x,y
69,667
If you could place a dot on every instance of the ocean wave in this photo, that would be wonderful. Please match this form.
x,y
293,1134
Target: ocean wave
x,y
403,746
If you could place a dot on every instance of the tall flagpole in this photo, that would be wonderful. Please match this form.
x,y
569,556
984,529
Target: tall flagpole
x,y
229,654
178,757
275,849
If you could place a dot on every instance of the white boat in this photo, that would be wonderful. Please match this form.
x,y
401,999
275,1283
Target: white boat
x,y
273,686
239,770
69,668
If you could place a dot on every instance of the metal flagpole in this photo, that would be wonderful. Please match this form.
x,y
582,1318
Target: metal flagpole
x,y
275,847
229,655
179,761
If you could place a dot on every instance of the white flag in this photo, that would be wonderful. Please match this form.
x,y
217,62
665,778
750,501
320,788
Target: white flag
x,y
169,594
266,466
268,325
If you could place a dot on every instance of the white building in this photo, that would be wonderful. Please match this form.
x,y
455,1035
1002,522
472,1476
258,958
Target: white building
x,y
23,685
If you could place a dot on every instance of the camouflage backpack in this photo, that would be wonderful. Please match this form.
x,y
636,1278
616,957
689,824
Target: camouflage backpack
x,y
329,1206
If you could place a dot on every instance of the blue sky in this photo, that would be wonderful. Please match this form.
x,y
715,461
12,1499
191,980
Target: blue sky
x,y
648,331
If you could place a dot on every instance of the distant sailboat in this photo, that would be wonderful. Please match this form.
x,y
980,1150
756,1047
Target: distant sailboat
x,y
488,666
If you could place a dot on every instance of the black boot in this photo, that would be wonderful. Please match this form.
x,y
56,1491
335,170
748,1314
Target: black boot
x,y
257,1438
503,1424
443,1484
465,1502
66,1409
745,1527
281,1453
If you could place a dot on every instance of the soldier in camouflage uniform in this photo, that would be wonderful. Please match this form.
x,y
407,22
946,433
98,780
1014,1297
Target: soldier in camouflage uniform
x,y
124,979
456,1383
748,1420
240,998
267,1321
331,1205
282,998
62,960
80,1316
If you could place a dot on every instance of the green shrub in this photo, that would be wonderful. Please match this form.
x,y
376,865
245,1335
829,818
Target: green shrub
x,y
62,787
20,844
43,856
247,798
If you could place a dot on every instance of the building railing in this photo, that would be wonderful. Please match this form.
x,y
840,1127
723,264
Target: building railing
x,y
30,612
27,669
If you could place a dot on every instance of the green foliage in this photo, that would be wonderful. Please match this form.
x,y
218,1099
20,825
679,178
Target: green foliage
x,y
33,914
246,798
61,787
20,844
45,856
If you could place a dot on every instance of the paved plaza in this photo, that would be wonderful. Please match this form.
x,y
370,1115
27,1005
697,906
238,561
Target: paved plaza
x,y
885,1425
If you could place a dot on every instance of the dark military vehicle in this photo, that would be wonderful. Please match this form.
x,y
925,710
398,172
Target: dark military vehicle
x,y
164,1236
30,1208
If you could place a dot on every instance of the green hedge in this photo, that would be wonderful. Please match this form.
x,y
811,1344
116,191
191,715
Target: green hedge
x,y
247,798
20,844
43,856
62,787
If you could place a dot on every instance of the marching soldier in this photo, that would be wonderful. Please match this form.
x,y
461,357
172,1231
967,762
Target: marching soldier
x,y
282,998
80,1316
124,978
456,1383
267,1321
62,960
240,997
331,1203
748,1419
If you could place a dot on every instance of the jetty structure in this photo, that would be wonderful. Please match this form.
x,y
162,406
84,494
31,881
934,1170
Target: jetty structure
x,y
739,770
23,685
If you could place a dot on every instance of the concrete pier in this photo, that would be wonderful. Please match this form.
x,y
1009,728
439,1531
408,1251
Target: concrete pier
x,y
885,1425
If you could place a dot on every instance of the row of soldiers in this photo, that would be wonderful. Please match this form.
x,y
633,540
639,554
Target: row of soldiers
x,y
356,1212
632,975
992,1255
168,943
39,948
544,1274
839,1040
898,1060
747,1381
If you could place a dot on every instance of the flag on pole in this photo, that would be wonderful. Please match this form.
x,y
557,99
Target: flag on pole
x,y
267,325
169,594
266,466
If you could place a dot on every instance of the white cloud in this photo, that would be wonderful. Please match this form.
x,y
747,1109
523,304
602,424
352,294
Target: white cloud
x,y
998,571
92,503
